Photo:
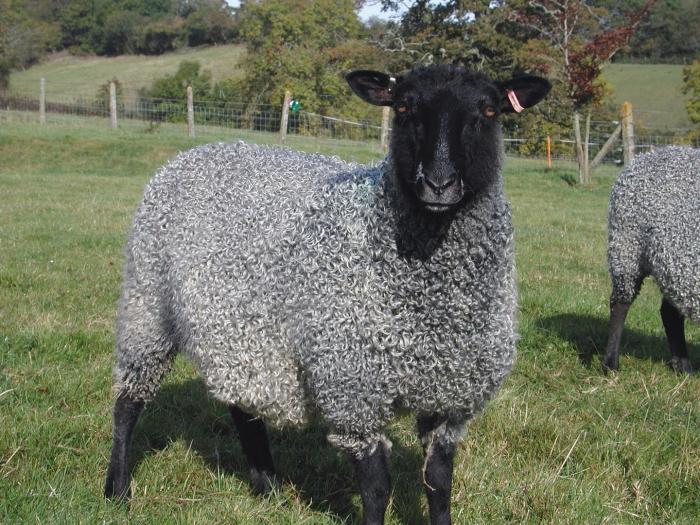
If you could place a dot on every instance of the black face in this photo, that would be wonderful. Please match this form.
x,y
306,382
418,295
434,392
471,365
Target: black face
x,y
446,140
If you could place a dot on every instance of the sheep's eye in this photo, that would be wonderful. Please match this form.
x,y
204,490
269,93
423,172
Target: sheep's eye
x,y
489,111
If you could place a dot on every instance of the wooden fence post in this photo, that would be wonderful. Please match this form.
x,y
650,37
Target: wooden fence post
x,y
384,138
549,152
606,147
42,101
627,133
190,112
113,104
285,116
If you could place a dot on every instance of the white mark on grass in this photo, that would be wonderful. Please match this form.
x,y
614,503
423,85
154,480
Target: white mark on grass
x,y
622,511
7,462
568,454
2,394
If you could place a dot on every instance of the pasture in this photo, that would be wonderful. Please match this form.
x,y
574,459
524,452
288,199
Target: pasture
x,y
70,76
80,76
561,443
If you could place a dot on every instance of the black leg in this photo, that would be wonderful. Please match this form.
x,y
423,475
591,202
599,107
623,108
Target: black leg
x,y
439,464
256,448
126,414
375,485
618,313
674,325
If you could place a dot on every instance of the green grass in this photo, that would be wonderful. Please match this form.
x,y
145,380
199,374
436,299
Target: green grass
x,y
68,75
654,90
561,443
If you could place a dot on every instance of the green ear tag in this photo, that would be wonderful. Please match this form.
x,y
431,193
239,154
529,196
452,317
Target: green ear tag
x,y
294,105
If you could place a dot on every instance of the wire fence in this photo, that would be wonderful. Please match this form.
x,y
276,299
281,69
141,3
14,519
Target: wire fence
x,y
264,120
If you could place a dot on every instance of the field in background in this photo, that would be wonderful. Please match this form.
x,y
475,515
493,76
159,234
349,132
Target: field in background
x,y
561,443
68,75
654,90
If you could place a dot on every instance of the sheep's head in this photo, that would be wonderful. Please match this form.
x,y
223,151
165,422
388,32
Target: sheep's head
x,y
446,141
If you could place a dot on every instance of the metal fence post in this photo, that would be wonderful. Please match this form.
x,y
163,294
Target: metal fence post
x,y
42,101
190,112
285,116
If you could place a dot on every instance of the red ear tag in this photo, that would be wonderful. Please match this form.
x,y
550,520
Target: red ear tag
x,y
513,98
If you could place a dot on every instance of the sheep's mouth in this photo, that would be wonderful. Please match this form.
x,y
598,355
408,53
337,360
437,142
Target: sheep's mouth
x,y
437,207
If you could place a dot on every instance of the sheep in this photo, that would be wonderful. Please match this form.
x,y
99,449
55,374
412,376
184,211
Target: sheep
x,y
301,285
653,230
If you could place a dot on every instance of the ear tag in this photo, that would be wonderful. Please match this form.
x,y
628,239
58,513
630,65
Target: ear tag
x,y
513,98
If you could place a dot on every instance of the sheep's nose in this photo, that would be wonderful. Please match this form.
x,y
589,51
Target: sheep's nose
x,y
443,184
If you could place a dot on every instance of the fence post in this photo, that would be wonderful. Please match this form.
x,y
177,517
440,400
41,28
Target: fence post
x,y
113,104
627,133
549,152
606,147
385,129
190,112
285,116
42,101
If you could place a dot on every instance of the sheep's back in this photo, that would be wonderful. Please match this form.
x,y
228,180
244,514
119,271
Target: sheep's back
x,y
653,223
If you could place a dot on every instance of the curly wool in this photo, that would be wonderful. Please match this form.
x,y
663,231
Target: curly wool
x,y
653,228
298,283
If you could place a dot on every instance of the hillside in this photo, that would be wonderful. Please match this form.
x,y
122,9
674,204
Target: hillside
x,y
68,75
654,90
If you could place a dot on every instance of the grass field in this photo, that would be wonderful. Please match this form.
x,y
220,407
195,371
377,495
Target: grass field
x,y
654,91
68,75
561,443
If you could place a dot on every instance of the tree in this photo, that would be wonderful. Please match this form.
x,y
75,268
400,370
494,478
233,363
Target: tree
x,y
303,46
474,33
212,22
121,33
572,43
691,86
669,33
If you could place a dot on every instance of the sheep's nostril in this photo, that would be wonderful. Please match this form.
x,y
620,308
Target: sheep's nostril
x,y
440,186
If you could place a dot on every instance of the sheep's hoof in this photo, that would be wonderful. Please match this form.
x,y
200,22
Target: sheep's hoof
x,y
681,365
116,491
610,364
263,482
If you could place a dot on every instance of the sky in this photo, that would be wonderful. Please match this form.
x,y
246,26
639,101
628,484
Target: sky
x,y
371,8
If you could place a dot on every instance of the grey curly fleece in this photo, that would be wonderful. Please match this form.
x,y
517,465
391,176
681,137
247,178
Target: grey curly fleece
x,y
297,283
654,228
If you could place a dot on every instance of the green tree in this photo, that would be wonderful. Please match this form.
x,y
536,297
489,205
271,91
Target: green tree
x,y
121,33
691,86
174,87
160,36
304,46
211,23
668,34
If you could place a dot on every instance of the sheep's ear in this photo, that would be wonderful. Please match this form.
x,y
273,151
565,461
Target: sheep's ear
x,y
372,86
522,92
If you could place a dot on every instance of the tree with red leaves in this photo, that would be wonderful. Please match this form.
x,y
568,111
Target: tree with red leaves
x,y
570,42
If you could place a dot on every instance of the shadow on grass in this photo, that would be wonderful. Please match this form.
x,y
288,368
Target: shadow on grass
x,y
323,477
589,336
